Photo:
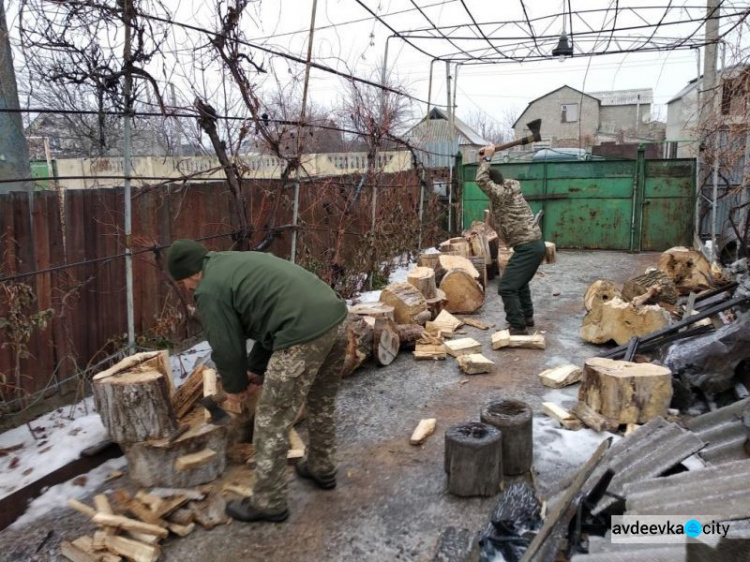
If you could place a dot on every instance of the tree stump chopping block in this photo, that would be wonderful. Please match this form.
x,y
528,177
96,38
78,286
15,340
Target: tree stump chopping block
x,y
423,278
473,459
410,306
513,419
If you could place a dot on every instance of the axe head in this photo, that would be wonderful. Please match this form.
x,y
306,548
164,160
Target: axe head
x,y
218,414
535,126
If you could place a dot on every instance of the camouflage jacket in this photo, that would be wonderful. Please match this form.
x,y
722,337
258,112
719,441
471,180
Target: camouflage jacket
x,y
511,213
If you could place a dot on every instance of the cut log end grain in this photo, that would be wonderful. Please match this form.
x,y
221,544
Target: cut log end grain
x,y
464,293
424,429
374,309
687,268
620,321
385,341
410,306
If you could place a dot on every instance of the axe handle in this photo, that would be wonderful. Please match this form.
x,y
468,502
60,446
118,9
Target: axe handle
x,y
525,140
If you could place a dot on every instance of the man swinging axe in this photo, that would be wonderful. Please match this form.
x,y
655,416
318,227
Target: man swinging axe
x,y
515,225
297,322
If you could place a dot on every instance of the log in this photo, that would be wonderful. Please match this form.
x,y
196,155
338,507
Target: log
x,y
625,392
503,339
374,309
409,334
642,283
599,292
475,364
437,304
423,279
513,419
481,267
465,295
188,393
565,418
385,342
558,377
550,253
127,524
424,429
463,346
428,260
359,343
620,321
459,245
688,269
81,508
153,463
429,351
183,516
446,263
474,323
473,459
409,305
132,549
135,405
592,419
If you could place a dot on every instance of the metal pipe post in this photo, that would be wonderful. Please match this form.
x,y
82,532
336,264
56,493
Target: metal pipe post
x,y
450,159
295,208
127,173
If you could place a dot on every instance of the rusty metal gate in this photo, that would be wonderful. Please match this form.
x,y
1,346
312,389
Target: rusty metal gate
x,y
635,205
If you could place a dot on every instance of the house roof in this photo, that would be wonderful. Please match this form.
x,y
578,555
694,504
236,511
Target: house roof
x,y
435,127
625,97
520,117
690,86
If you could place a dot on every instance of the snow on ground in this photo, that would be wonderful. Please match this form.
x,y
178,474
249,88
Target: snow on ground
x,y
75,488
397,275
60,437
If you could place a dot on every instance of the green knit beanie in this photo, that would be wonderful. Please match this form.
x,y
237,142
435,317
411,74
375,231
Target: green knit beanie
x,y
185,258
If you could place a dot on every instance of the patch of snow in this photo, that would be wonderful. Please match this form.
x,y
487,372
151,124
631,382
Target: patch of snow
x,y
431,250
399,274
370,296
556,448
183,363
57,497
561,395
61,436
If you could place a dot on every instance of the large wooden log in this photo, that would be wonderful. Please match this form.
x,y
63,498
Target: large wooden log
x,y
667,292
446,263
465,295
625,392
385,341
481,267
620,321
157,462
689,269
473,459
409,305
599,292
514,420
135,404
409,334
423,278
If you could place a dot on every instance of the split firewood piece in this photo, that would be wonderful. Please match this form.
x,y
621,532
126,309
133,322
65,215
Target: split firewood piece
x,y
566,419
132,549
359,342
147,360
211,386
477,323
153,502
409,334
591,418
385,341
625,392
410,306
181,530
558,377
81,507
135,405
550,252
170,505
101,503
436,352
189,493
128,504
445,323
194,460
182,516
127,524
640,284
630,428
687,268
423,279
503,339
600,292
424,429
374,309
474,364
620,321
463,291
296,447
82,550
188,393
239,489
210,512
144,538
463,346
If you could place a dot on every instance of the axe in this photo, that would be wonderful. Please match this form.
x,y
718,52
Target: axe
x,y
534,126
218,415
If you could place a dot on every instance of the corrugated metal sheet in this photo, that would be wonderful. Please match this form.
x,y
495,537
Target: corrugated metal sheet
x,y
720,491
724,433
649,451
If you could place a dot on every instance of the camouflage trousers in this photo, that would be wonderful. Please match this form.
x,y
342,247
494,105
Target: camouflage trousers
x,y
310,374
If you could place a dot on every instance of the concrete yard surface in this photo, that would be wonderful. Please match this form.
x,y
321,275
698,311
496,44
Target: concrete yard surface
x,y
391,502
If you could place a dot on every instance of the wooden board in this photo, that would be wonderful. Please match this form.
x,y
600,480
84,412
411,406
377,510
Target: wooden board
x,y
503,339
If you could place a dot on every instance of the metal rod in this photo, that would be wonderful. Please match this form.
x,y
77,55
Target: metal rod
x,y
429,88
698,190
295,208
450,159
126,172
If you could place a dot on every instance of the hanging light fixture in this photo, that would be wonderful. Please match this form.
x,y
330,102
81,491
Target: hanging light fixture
x,y
563,49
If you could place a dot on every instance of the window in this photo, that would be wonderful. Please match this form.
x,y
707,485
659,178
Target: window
x,y
569,113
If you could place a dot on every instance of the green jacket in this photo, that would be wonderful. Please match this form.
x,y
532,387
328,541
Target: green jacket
x,y
259,296
510,211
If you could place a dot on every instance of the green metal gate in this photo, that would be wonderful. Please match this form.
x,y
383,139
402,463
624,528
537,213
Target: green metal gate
x,y
608,205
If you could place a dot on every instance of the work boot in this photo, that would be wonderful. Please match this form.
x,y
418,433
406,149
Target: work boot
x,y
322,481
518,331
243,510
529,321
